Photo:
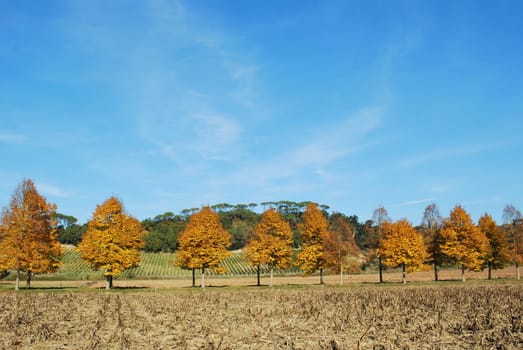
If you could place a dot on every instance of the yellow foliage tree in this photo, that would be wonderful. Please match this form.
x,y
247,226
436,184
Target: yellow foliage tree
x,y
463,241
401,244
112,240
28,234
203,244
271,244
340,247
498,253
314,231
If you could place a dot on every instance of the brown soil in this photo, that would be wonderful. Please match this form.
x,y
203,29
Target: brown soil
x,y
445,316
365,278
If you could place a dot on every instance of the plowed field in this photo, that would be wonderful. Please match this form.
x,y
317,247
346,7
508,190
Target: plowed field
x,y
364,317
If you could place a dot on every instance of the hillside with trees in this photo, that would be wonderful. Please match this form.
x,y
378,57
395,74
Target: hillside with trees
x,y
264,237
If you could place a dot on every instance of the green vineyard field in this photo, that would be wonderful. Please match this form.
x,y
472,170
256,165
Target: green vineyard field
x,y
153,265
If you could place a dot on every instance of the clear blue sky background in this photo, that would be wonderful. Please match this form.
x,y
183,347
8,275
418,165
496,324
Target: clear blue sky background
x,y
176,104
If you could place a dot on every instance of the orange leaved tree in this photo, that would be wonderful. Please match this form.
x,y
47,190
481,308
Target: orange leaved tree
x,y
498,253
314,231
463,242
271,243
203,244
401,244
112,240
28,240
340,246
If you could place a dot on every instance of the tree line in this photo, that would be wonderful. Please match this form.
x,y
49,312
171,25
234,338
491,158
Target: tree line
x,y
302,234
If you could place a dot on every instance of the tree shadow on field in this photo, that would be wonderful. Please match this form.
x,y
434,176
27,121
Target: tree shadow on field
x,y
42,289
123,288
280,286
130,287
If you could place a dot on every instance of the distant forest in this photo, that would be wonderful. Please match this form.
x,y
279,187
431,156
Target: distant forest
x,y
162,231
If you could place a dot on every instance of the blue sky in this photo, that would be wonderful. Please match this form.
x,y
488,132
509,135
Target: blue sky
x,y
177,104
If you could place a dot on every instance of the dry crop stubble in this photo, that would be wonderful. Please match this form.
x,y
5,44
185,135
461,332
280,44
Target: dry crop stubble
x,y
384,317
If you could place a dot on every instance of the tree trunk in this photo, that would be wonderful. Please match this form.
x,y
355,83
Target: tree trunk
x,y
321,276
193,277
17,285
203,277
380,269
341,275
28,280
109,282
258,281
489,270
517,270
404,278
272,276
435,271
463,272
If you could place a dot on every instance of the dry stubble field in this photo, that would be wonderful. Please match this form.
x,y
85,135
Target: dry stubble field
x,y
454,316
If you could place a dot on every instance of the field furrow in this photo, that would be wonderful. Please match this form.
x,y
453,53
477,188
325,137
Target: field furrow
x,y
447,317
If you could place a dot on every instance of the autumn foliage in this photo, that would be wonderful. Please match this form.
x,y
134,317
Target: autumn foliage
x,y
204,242
463,241
402,245
314,232
112,240
498,254
513,226
340,249
28,234
271,244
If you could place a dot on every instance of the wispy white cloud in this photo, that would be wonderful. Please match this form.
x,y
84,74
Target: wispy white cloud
x,y
215,132
416,202
337,141
186,107
300,167
51,190
12,138
440,188
455,152
482,201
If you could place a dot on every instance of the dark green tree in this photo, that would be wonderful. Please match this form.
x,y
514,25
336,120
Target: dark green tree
x,y
68,231
239,221
163,231
431,225
380,216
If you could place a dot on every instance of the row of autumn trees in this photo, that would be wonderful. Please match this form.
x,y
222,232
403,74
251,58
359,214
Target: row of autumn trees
x,y
28,237
204,242
286,233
